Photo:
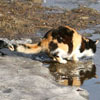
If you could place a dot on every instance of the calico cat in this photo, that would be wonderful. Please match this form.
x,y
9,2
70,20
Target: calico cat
x,y
61,43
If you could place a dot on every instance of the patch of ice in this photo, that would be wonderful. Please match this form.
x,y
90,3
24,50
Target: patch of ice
x,y
30,80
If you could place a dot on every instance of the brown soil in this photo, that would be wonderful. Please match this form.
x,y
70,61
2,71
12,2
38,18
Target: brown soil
x,y
20,19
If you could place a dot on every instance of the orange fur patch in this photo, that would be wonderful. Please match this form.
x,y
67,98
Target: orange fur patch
x,y
77,38
63,46
45,42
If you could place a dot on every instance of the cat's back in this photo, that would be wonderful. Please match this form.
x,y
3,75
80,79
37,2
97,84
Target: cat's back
x,y
63,37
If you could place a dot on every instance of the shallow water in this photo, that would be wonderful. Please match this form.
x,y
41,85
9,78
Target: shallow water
x,y
92,85
70,4
73,74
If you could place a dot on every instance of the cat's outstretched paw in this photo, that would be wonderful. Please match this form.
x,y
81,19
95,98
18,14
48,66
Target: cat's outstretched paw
x,y
61,60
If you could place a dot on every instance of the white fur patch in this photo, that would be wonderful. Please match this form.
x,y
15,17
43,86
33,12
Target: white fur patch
x,y
84,53
64,54
20,48
61,53
89,52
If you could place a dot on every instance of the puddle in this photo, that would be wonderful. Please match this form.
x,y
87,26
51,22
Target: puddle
x,y
83,75
92,85
73,74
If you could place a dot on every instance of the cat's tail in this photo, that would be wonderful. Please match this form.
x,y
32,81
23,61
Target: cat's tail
x,y
26,48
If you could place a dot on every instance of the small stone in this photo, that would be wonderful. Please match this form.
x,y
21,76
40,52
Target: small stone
x,y
7,91
84,18
1,15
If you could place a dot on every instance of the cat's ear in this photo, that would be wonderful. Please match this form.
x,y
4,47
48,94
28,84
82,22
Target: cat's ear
x,y
97,41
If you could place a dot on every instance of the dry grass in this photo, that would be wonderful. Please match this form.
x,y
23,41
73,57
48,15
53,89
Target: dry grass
x,y
18,19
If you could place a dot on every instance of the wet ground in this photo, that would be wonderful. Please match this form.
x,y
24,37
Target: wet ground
x,y
23,19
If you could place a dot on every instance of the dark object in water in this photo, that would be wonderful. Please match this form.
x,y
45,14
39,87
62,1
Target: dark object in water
x,y
3,44
2,54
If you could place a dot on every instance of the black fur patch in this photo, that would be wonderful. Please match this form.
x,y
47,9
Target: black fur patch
x,y
88,45
92,45
82,48
39,44
64,35
53,46
55,54
15,47
27,47
46,35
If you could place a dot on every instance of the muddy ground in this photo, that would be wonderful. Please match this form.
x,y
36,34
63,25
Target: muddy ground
x,y
21,19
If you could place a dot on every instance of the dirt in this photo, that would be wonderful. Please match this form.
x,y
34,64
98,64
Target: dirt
x,y
23,18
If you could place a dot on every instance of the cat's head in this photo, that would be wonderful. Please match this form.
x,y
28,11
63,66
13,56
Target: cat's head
x,y
88,46
91,47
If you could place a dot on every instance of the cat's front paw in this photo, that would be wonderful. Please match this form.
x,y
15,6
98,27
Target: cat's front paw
x,y
63,61
75,58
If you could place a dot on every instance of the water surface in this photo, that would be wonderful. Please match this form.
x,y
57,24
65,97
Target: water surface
x,y
70,4
92,85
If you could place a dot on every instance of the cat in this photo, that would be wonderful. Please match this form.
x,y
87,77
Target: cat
x,y
62,43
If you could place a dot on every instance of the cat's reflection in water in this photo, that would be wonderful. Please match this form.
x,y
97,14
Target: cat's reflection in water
x,y
73,74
